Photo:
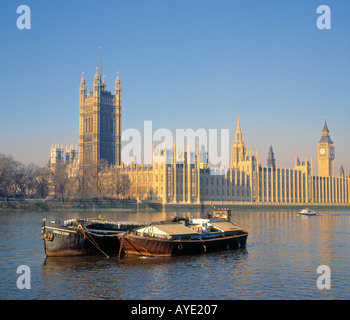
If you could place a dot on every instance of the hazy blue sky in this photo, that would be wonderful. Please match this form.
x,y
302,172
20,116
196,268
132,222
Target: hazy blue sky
x,y
183,64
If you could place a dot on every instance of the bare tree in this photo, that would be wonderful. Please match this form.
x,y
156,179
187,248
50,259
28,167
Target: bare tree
x,y
8,171
120,185
41,183
59,178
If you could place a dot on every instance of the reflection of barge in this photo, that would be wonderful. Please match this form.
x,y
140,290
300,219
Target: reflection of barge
x,y
83,237
192,236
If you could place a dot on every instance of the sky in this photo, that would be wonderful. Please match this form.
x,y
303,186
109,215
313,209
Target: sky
x,y
182,64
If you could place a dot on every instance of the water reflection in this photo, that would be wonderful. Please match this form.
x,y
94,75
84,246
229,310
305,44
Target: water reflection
x,y
280,261
135,277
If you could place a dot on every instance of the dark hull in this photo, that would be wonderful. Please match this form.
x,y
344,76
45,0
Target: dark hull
x,y
145,246
60,241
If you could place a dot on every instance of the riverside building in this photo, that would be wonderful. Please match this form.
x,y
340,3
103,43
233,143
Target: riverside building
x,y
186,178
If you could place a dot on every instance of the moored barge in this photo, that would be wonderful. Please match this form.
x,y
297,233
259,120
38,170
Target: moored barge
x,y
83,237
194,236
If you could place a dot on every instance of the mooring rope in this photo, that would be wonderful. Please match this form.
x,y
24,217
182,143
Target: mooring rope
x,y
204,246
89,237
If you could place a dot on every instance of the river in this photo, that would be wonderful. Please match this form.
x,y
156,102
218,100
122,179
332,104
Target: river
x,y
280,261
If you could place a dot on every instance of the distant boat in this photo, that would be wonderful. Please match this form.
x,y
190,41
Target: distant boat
x,y
191,236
307,212
83,237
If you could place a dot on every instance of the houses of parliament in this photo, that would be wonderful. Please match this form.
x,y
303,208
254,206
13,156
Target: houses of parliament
x,y
186,177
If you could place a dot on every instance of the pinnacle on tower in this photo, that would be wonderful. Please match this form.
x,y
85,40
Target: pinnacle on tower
x,y
325,128
117,81
96,77
271,162
82,81
342,172
238,134
325,134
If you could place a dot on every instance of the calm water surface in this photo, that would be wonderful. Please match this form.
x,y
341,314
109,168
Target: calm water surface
x,y
280,261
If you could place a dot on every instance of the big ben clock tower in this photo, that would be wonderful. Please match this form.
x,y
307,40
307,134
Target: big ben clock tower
x,y
325,153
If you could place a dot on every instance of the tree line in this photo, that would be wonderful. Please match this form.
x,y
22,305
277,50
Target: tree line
x,y
61,181
18,180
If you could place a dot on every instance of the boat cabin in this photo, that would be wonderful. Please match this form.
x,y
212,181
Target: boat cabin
x,y
196,229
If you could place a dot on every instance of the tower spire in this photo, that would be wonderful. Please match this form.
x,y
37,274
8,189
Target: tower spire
x,y
238,134
100,61
325,128
271,162
82,82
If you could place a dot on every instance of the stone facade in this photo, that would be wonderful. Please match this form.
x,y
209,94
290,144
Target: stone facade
x,y
187,178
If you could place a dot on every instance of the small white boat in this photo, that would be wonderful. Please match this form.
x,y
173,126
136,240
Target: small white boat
x,y
307,212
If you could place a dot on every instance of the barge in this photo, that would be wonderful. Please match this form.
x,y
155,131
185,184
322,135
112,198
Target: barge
x,y
191,236
83,237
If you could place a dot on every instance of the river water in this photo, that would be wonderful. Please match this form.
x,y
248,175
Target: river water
x,y
279,262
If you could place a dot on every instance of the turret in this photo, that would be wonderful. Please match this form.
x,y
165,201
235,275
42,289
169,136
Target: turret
x,y
104,85
97,85
117,91
238,150
238,134
271,162
82,90
342,172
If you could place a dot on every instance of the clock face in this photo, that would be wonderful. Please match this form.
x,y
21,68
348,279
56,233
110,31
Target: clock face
x,y
322,151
